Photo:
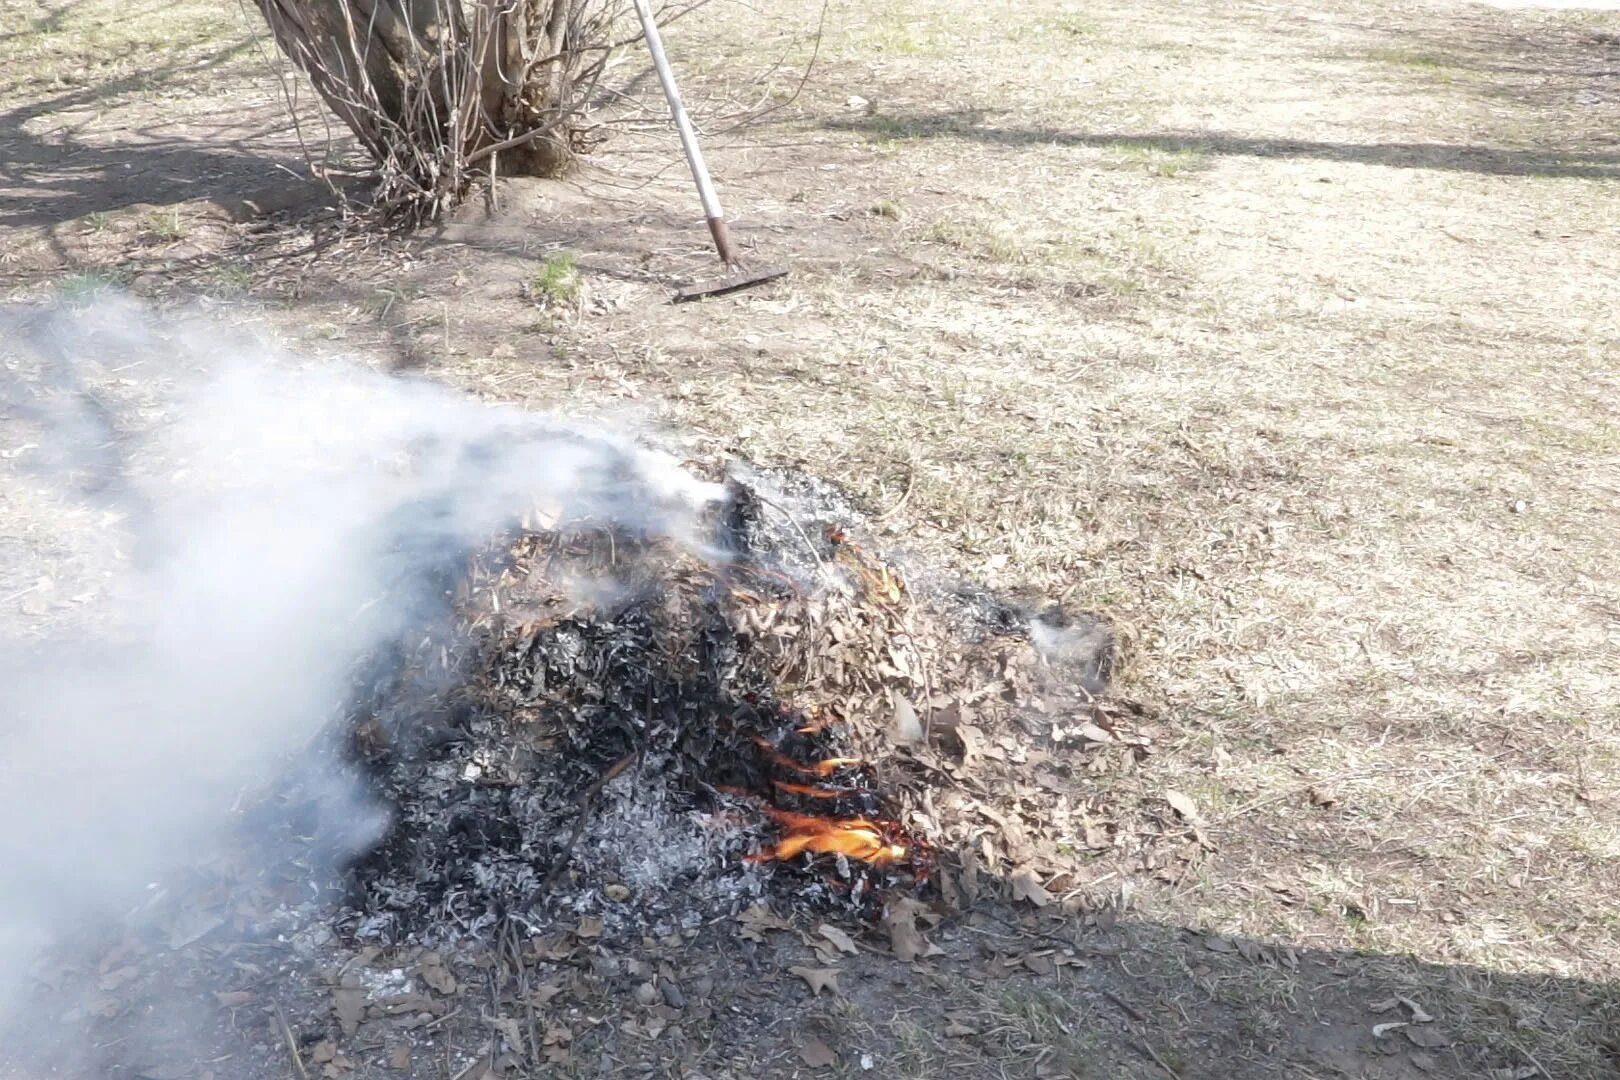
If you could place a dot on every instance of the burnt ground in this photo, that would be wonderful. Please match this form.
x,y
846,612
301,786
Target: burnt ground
x,y
1283,339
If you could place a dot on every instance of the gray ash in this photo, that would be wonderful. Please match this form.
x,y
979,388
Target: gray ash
x,y
608,757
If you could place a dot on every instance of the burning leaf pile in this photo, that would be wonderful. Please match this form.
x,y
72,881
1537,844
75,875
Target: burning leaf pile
x,y
626,729
629,731
621,752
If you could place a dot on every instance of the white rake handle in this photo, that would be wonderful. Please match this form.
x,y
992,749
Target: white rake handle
x,y
689,143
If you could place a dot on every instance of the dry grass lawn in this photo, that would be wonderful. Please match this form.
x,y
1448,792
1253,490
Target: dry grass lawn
x,y
1284,336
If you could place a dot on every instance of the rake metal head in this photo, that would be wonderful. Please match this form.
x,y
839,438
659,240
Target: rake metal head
x,y
732,282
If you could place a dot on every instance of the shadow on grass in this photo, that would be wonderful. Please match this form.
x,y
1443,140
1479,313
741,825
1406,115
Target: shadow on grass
x,y
1147,999
1452,157
1558,67
50,175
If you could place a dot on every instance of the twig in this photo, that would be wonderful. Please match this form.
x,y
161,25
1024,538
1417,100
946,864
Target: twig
x,y
1141,1042
1028,931
19,594
1542,1069
292,1044
815,53
451,1015
793,521
911,482
510,940
1279,796
1147,1048
1126,1007
587,803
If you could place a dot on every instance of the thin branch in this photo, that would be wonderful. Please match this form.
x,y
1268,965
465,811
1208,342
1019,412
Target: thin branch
x,y
292,1044
815,53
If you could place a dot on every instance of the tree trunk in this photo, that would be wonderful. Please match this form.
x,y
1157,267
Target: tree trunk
x,y
435,89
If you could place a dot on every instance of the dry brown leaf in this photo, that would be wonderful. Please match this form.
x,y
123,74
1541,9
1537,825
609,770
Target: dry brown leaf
x,y
759,919
543,993
1426,1038
1026,886
1040,963
843,941
972,742
400,1004
826,953
118,978
193,928
817,1054
970,874
818,979
399,1058
1092,733
349,1006
436,975
589,927
1182,804
234,999
900,920
905,729
510,1031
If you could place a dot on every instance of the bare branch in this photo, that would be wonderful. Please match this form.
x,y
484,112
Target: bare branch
x,y
433,89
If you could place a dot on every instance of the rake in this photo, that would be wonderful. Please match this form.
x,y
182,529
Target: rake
x,y
737,276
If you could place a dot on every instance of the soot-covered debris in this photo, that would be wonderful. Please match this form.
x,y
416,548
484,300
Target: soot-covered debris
x,y
652,736
618,754
633,731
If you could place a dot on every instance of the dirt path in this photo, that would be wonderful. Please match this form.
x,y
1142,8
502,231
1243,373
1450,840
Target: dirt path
x,y
1282,336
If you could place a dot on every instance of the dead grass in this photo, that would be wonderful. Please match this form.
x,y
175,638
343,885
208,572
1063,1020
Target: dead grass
x,y
116,49
1324,457
1247,328
1015,1028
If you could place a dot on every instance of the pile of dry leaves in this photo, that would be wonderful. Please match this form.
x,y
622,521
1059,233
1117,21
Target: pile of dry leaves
x,y
650,735
622,753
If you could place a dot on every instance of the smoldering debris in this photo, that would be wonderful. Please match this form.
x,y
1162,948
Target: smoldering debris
x,y
379,689
622,758
229,532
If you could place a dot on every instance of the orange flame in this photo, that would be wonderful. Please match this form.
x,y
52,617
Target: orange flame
x,y
815,768
812,790
854,837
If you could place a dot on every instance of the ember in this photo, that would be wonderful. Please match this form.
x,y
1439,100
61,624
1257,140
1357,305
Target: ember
x,y
856,838
511,750
819,768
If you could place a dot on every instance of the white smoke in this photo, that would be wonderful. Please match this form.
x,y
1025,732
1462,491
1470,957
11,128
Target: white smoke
x,y
260,524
